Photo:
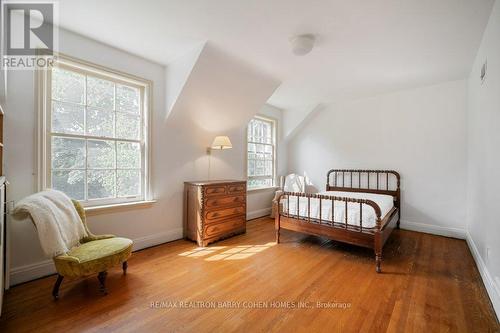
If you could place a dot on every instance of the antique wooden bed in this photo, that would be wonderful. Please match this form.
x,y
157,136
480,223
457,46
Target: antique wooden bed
x,y
359,183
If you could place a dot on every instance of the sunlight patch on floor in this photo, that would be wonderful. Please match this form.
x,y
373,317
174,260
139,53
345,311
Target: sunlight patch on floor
x,y
240,252
202,251
229,253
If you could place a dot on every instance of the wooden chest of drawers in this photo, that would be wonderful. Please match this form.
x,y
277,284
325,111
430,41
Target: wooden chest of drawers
x,y
214,210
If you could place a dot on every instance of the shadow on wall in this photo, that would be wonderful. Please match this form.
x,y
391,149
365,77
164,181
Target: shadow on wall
x,y
414,215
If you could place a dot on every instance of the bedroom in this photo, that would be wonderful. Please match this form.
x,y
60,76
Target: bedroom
x,y
133,121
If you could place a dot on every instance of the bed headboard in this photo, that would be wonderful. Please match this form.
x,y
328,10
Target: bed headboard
x,y
368,181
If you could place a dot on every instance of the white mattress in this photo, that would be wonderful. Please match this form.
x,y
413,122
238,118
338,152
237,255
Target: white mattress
x,y
385,202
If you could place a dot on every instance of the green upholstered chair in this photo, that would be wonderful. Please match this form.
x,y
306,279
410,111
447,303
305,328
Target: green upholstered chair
x,y
96,254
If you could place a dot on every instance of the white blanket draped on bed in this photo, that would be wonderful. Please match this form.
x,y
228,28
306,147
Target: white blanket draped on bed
x,y
57,222
385,202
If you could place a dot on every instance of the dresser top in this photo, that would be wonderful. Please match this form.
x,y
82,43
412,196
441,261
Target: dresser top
x,y
213,182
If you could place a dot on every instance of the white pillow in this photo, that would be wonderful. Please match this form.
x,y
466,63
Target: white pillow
x,y
294,183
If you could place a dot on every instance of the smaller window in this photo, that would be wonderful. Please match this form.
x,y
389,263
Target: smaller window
x,y
261,152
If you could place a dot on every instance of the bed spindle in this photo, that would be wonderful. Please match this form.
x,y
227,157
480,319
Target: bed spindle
x,y
359,179
298,204
288,205
320,222
351,178
335,179
361,215
309,209
387,181
377,179
333,211
368,180
345,214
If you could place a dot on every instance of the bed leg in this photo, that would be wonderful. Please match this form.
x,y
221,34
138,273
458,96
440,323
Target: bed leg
x,y
277,222
378,260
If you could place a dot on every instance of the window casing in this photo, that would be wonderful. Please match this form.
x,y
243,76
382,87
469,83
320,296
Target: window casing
x,y
94,133
261,153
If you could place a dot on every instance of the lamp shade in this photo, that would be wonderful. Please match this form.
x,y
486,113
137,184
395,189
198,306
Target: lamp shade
x,y
221,142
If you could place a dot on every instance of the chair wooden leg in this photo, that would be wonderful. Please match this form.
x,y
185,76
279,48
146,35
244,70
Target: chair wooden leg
x,y
55,290
102,282
125,266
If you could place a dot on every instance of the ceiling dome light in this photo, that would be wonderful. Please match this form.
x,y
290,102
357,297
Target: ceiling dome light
x,y
302,44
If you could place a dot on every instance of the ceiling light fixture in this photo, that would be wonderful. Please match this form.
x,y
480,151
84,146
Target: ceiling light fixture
x,y
302,44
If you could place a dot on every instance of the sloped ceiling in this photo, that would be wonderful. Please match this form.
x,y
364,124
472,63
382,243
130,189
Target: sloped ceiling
x,y
363,47
219,96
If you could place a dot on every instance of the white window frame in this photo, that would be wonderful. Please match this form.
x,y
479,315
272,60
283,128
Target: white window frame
x,y
44,98
274,127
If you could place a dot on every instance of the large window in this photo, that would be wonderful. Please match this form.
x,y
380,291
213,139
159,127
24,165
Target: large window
x,y
261,154
95,134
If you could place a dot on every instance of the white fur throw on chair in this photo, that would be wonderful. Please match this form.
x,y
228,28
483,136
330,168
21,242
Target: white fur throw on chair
x,y
58,224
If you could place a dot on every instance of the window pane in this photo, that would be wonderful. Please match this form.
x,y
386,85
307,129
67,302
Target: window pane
x,y
127,99
101,184
127,126
128,155
67,86
70,182
269,168
129,182
68,153
101,154
259,166
260,183
267,132
100,122
67,118
251,168
100,93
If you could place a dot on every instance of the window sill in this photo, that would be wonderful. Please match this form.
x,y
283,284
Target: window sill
x,y
106,209
262,189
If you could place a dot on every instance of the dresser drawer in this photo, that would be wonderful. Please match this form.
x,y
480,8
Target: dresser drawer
x,y
224,213
225,201
238,188
215,190
226,227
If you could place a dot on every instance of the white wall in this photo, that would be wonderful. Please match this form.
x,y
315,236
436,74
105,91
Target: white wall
x,y
27,260
420,132
484,160
219,96
259,202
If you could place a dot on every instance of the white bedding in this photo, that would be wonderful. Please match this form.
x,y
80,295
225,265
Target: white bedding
x,y
385,202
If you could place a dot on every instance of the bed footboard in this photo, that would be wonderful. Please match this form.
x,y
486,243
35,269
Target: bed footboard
x,y
318,225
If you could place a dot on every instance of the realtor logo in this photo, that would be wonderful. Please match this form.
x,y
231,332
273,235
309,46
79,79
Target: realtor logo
x,y
29,36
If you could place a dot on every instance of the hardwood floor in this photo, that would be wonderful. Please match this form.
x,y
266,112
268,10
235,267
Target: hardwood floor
x,y
429,283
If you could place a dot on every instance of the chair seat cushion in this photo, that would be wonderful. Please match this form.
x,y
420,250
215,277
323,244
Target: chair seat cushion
x,y
94,257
